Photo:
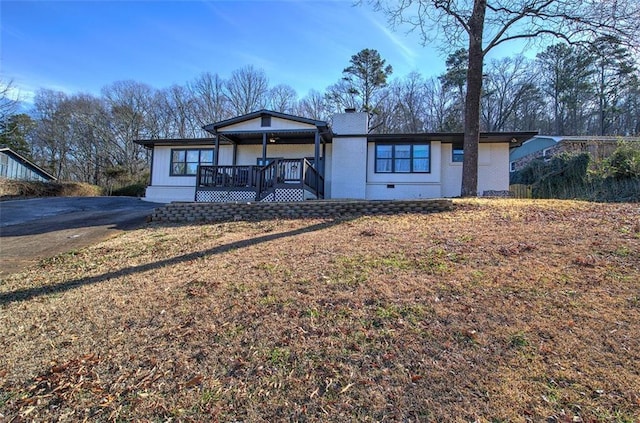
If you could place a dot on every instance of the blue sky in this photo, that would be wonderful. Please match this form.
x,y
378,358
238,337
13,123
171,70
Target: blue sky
x,y
82,46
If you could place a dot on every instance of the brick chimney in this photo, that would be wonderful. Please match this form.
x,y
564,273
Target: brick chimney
x,y
350,123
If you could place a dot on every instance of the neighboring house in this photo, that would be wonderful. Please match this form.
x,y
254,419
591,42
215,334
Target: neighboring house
x,y
546,147
14,166
271,156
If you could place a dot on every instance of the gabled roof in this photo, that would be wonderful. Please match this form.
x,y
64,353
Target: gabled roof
x,y
215,127
27,163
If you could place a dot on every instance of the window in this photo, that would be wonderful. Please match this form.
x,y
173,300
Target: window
x,y
457,155
546,154
402,158
512,166
4,165
260,162
185,162
265,121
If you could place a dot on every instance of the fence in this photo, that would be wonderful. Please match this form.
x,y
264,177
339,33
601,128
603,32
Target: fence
x,y
520,191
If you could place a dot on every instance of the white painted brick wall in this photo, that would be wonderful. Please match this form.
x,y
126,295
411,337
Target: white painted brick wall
x,y
350,123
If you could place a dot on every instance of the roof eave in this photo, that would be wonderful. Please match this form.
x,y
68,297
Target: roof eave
x,y
150,143
214,127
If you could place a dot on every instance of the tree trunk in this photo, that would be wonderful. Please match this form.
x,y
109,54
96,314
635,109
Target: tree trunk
x,y
472,103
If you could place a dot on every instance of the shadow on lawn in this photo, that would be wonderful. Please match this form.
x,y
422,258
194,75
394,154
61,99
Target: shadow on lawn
x,y
29,293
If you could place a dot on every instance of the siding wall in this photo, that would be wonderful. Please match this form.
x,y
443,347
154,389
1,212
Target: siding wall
x,y
166,188
11,168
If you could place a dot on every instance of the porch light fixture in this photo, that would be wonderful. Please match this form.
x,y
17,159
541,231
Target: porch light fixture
x,y
273,139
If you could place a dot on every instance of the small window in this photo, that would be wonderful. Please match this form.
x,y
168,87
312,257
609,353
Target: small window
x,y
402,158
265,121
457,155
512,166
546,154
4,165
260,162
185,162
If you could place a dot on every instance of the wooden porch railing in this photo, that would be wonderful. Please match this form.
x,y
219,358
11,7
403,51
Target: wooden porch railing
x,y
280,173
228,176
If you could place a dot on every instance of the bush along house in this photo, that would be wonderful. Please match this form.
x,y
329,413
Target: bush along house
x,y
271,156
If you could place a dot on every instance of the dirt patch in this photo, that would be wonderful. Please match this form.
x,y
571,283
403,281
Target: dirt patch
x,y
502,310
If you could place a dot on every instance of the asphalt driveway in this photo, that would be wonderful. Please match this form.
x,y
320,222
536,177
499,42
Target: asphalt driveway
x,y
37,228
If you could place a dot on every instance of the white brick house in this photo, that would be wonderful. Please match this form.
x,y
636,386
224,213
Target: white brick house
x,y
271,156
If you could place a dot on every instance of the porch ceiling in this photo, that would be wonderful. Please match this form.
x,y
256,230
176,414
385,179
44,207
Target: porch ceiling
x,y
278,137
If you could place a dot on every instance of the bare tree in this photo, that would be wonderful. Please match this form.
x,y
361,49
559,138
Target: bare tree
x,y
314,106
51,144
176,108
507,85
87,140
530,113
438,103
129,105
211,104
404,106
485,24
282,98
8,100
247,90
340,96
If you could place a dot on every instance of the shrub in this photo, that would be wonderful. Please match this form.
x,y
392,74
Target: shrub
x,y
624,163
133,190
567,176
26,189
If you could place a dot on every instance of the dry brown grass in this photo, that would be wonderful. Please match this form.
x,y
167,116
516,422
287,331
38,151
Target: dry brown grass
x,y
502,310
12,189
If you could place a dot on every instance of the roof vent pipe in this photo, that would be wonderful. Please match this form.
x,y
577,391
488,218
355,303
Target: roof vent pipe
x,y
350,110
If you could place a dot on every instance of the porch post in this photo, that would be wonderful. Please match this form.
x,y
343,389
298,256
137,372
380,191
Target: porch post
x,y
217,152
264,148
324,158
316,158
235,153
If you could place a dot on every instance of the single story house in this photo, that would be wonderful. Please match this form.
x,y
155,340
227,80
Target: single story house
x,y
14,166
271,156
547,146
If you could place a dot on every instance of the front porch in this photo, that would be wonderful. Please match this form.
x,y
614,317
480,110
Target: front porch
x,y
279,180
289,153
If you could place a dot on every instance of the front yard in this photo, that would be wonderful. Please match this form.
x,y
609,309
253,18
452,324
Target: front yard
x,y
501,310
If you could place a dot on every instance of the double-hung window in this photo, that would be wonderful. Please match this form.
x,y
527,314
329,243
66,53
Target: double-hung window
x,y
457,154
185,162
403,158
